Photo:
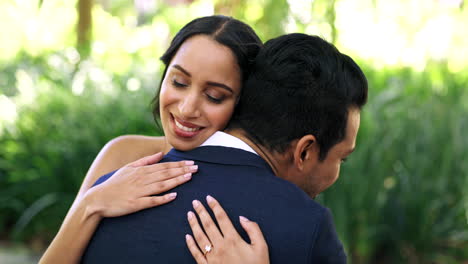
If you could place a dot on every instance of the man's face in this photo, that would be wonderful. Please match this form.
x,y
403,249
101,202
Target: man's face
x,y
319,175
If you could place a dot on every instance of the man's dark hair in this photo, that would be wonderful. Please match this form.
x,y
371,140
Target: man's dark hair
x,y
300,85
239,37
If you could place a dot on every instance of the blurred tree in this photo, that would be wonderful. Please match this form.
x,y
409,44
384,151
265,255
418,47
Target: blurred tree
x,y
267,17
84,27
178,2
331,17
326,12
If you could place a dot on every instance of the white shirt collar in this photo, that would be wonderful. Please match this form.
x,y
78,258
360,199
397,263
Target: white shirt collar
x,y
225,140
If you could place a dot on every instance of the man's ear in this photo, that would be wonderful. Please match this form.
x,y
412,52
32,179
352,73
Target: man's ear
x,y
306,149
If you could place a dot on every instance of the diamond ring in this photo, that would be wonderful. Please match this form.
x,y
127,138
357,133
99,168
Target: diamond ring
x,y
208,249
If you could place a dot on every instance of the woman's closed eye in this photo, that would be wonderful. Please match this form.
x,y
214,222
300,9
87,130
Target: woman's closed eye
x,y
215,97
178,84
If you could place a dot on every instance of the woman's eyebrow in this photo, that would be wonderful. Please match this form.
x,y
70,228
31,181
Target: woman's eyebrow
x,y
180,68
221,85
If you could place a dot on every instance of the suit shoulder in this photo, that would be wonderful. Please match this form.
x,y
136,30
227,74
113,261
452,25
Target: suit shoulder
x,y
327,247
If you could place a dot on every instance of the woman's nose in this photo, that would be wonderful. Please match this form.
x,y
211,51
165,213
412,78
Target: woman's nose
x,y
189,107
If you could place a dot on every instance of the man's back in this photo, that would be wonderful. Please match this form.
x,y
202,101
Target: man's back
x,y
297,229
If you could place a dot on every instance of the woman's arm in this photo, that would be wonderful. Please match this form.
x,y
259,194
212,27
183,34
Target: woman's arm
x,y
73,236
226,246
128,190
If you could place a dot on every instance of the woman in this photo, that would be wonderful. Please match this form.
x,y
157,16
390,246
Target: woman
x,y
206,65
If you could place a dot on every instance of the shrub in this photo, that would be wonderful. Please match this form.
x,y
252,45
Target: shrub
x,y
47,151
402,196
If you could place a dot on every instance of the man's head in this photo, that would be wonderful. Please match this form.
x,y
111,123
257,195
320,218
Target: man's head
x,y
301,104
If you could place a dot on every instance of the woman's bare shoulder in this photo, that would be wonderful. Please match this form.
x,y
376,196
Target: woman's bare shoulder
x,y
128,148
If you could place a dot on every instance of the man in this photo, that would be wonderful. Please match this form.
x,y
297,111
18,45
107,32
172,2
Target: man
x,y
296,122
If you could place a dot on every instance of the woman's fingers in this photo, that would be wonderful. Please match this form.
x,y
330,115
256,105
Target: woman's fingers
x,y
231,248
222,218
168,165
194,250
200,237
148,160
152,201
257,240
208,224
169,173
149,165
162,186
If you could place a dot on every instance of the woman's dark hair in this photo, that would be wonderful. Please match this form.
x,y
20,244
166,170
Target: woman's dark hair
x,y
239,37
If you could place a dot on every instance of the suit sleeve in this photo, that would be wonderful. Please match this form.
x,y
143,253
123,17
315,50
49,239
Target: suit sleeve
x,y
103,178
327,247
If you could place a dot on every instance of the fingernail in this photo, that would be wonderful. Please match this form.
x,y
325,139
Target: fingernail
x,y
194,168
189,215
187,237
195,203
172,195
209,199
243,219
189,162
188,175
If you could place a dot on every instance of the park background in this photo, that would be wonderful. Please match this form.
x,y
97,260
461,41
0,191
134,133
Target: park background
x,y
75,74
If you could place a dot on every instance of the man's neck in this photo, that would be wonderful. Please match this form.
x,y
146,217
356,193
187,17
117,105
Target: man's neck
x,y
273,159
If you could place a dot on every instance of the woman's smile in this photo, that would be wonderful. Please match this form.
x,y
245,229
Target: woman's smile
x,y
185,129
199,92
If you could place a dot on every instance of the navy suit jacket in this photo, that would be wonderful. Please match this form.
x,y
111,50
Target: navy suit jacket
x,y
296,228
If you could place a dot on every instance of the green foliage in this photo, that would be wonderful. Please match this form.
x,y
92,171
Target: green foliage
x,y
402,195
47,151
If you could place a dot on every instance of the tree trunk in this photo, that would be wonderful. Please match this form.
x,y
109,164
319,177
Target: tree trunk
x,y
331,18
84,27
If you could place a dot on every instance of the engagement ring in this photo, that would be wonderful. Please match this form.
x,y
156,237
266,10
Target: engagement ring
x,y
208,248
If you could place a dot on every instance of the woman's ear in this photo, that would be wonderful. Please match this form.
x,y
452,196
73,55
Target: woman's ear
x,y
306,149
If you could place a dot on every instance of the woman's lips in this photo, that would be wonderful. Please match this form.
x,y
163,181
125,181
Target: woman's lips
x,y
185,129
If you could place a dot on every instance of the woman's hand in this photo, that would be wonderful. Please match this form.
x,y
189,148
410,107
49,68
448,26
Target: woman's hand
x,y
132,187
226,246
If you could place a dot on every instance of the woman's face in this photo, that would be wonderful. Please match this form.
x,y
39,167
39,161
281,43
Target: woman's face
x,y
199,92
